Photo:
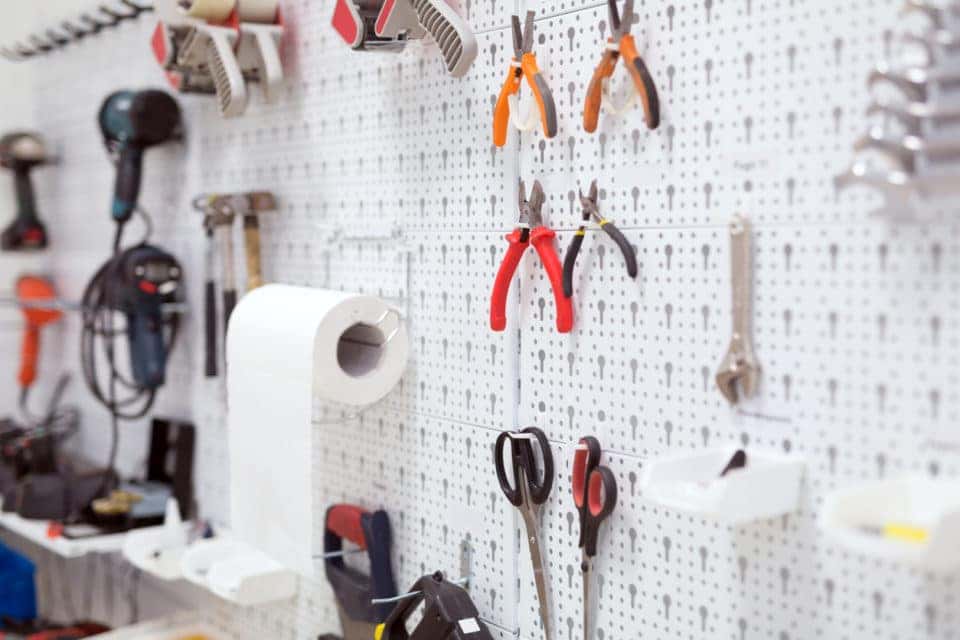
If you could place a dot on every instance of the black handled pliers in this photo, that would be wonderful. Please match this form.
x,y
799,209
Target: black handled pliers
x,y
592,212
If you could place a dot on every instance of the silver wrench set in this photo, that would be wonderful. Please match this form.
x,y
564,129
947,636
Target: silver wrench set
x,y
911,154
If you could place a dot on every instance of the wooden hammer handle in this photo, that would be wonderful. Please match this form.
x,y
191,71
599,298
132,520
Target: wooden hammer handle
x,y
251,236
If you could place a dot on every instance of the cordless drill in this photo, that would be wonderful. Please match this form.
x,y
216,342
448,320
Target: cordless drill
x,y
21,152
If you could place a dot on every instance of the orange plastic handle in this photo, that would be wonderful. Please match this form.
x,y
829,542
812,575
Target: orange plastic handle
x,y
501,112
643,81
542,94
29,354
591,108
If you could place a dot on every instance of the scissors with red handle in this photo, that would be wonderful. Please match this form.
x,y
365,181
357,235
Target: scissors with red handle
x,y
595,496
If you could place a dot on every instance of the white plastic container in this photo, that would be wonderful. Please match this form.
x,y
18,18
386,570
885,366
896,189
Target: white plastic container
x,y
237,572
855,517
768,487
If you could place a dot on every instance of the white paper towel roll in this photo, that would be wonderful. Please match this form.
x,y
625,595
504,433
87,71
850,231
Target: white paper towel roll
x,y
287,346
278,327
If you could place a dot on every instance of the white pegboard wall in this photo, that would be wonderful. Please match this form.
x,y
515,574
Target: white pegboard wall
x,y
389,184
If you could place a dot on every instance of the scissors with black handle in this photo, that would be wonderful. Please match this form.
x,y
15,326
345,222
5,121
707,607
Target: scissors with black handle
x,y
528,492
595,496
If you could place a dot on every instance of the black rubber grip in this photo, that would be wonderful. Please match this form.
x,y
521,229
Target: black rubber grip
x,y
653,97
26,201
628,253
210,328
570,260
549,106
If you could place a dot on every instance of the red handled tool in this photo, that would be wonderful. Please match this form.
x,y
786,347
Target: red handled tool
x,y
370,531
34,294
531,230
595,496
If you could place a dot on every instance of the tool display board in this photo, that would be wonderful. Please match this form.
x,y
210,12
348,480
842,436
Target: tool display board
x,y
389,184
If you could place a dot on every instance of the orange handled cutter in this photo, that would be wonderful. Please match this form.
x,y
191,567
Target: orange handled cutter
x,y
524,65
621,44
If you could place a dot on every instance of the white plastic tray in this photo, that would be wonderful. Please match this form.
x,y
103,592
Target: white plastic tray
x,y
768,487
237,573
849,515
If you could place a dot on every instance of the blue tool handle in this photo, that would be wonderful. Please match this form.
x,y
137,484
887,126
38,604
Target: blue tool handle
x,y
127,189
148,353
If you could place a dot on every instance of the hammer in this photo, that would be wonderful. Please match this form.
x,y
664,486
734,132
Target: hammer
x,y
257,202
223,210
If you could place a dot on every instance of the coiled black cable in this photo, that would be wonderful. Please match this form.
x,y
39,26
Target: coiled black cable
x,y
121,395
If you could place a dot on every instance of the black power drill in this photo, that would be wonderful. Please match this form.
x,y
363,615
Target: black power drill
x,y
21,152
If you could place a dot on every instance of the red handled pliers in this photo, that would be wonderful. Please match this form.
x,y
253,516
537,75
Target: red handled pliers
x,y
531,230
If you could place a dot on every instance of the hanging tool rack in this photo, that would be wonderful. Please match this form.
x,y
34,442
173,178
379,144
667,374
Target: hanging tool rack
x,y
88,24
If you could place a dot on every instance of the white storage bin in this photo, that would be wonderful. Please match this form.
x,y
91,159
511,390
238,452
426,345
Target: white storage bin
x,y
768,487
856,518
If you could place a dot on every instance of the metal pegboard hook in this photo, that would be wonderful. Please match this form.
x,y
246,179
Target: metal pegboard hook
x,y
96,26
135,6
12,56
58,38
396,330
116,15
77,33
41,44
114,20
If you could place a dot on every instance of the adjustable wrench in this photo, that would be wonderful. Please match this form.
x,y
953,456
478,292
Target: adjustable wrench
x,y
740,363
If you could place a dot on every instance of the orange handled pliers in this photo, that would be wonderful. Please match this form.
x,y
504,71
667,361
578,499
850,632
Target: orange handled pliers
x,y
524,64
621,44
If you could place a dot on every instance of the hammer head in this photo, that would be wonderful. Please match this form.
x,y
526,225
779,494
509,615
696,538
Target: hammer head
x,y
23,150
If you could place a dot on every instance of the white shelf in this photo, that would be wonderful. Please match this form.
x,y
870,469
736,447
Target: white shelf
x,y
855,518
769,486
36,531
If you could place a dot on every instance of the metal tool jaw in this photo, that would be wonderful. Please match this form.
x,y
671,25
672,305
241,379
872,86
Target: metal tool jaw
x,y
740,365
522,36
589,203
531,211
621,22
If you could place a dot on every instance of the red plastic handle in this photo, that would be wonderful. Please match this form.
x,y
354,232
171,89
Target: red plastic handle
x,y
345,521
597,498
501,286
579,476
542,241
29,354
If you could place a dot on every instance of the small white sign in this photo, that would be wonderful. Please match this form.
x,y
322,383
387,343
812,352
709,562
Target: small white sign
x,y
469,625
